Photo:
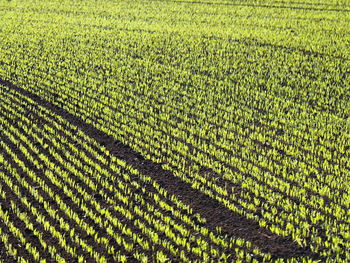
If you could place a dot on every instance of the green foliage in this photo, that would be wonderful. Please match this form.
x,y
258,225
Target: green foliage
x,y
255,92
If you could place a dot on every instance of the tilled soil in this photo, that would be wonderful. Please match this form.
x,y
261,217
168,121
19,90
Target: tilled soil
x,y
216,214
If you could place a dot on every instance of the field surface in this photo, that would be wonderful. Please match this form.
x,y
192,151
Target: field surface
x,y
174,131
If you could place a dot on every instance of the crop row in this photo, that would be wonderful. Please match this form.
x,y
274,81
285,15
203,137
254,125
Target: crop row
x,y
57,182
262,128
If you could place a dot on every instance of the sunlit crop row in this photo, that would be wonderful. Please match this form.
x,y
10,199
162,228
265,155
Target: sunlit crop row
x,y
250,109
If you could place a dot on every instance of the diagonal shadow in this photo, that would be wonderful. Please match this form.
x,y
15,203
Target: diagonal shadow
x,y
216,214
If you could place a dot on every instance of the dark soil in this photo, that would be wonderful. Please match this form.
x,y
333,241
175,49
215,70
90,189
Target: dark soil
x,y
216,214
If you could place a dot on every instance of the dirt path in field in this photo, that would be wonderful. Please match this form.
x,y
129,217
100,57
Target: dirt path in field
x,y
215,213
